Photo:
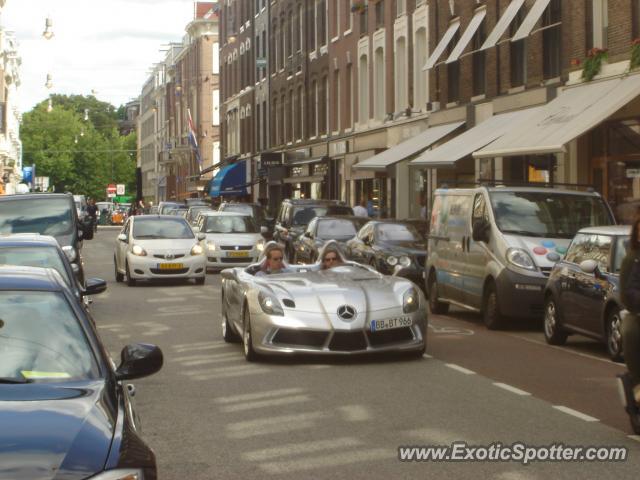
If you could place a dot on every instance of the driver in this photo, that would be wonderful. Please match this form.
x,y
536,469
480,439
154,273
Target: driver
x,y
331,256
273,261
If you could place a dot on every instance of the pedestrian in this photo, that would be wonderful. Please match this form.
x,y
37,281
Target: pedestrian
x,y
360,210
273,262
92,211
630,295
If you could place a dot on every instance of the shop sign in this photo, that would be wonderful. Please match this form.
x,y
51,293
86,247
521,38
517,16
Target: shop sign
x,y
633,172
338,148
320,169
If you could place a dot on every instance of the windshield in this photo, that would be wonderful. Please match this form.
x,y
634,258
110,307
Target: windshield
x,y
45,257
394,232
621,250
328,229
547,214
41,339
303,215
230,224
156,228
47,216
169,206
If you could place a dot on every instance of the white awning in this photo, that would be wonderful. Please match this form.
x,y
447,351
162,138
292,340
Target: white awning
x,y
468,34
407,148
531,19
444,42
477,137
575,111
503,24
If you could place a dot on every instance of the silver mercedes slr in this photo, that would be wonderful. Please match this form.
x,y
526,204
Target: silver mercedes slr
x,y
350,309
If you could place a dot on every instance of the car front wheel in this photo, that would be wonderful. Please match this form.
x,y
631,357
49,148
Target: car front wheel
x,y
491,312
614,335
131,282
119,276
553,332
247,341
437,307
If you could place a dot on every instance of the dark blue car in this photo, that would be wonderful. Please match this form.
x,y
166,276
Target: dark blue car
x,y
64,412
582,294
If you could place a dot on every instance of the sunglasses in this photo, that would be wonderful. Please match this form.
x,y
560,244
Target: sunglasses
x,y
276,259
330,259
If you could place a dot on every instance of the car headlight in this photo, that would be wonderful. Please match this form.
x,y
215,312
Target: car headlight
x,y
70,252
211,246
124,474
197,250
404,261
410,301
270,304
391,260
260,246
138,250
520,258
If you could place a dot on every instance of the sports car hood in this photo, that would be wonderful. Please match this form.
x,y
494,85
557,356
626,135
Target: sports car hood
x,y
325,290
234,238
173,245
545,252
54,432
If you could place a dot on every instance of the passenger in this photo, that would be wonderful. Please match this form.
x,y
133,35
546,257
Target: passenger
x,y
273,262
331,256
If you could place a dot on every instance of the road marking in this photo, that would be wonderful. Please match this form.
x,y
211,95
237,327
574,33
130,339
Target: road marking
x,y
355,413
197,348
233,357
124,336
273,425
460,369
511,389
634,437
291,449
274,402
448,330
213,376
575,413
333,460
258,395
426,355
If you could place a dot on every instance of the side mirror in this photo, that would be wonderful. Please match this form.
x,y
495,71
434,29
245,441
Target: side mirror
x,y
80,234
589,266
480,231
122,237
201,236
307,234
75,269
139,360
95,286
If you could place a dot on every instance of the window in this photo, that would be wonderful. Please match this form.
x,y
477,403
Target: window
x,y
324,114
363,89
313,30
420,88
287,38
635,18
335,18
597,17
379,14
453,72
348,97
314,114
300,28
321,16
401,99
259,131
364,22
401,7
335,105
274,49
479,67
379,97
281,43
517,60
265,129
551,40
274,121
348,15
282,119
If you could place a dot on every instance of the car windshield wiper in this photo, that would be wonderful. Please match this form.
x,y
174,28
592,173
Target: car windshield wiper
x,y
526,233
147,236
21,379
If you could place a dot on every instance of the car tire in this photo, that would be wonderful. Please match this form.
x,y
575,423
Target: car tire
x,y
491,315
552,326
228,334
250,354
119,276
131,282
613,334
435,306
201,280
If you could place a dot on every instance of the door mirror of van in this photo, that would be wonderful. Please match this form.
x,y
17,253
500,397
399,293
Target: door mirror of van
x,y
480,232
590,266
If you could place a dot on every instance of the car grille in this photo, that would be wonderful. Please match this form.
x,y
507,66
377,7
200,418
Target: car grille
x,y
164,257
348,341
177,271
546,271
300,337
420,260
234,247
395,335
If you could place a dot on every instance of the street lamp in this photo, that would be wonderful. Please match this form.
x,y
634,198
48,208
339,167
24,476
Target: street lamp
x,y
86,114
49,82
49,106
48,30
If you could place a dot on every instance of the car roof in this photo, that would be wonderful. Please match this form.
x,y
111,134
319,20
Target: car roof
x,y
342,217
241,203
216,213
14,277
21,196
147,216
311,201
27,240
608,230
508,189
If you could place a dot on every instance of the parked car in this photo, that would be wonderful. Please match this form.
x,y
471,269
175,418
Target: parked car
x,y
152,247
119,216
192,202
256,210
192,213
386,244
34,250
47,214
232,239
164,206
582,294
322,229
420,224
347,310
177,211
81,206
64,408
295,215
491,249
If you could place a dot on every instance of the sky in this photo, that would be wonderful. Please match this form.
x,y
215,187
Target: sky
x,y
105,46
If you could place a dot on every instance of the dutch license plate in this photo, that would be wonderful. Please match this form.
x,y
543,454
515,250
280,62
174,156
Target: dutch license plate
x,y
389,323
238,254
170,266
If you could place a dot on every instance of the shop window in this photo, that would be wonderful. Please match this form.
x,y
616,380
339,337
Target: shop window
x,y
401,74
379,14
364,22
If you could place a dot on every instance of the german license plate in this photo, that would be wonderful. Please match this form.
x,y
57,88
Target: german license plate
x,y
238,254
170,266
389,323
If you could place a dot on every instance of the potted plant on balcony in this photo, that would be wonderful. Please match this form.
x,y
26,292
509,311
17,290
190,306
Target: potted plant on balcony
x,y
635,54
593,63
358,6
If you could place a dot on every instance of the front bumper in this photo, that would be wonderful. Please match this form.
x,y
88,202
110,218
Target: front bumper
x,y
521,295
228,258
149,267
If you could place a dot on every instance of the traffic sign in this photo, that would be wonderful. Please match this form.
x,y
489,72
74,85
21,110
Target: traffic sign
x,y
111,188
120,189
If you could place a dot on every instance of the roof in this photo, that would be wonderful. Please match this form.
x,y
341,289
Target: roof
x,y
216,213
21,196
618,230
27,240
30,278
444,190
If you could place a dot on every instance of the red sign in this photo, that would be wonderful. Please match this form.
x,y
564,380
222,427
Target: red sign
x,y
111,188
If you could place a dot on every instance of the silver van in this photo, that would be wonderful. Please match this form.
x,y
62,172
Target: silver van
x,y
491,249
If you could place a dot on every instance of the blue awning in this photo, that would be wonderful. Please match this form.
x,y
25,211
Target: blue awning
x,y
230,180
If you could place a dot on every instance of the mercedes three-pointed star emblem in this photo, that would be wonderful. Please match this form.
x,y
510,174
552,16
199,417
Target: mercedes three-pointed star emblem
x,y
347,312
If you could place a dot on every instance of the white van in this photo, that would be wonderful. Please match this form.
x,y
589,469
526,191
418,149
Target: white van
x,y
491,249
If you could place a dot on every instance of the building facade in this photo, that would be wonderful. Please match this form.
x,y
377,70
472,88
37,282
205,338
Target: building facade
x,y
10,144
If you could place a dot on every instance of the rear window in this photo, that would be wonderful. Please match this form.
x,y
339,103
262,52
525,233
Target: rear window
x,y
156,228
46,216
45,257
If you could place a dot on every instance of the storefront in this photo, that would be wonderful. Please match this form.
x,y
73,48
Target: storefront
x,y
307,178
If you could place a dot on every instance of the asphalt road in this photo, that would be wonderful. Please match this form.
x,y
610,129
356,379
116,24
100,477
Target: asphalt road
x,y
209,414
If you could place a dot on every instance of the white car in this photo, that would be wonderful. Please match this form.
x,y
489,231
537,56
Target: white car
x,y
231,239
152,246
